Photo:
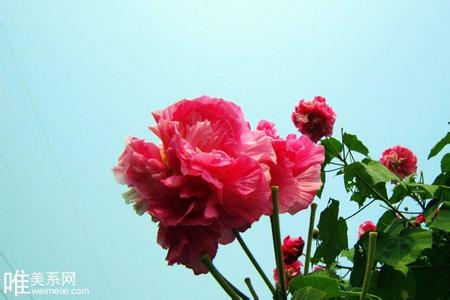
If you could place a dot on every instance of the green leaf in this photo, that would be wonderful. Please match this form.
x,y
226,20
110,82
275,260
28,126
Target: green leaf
x,y
445,163
333,148
440,145
332,234
309,293
442,220
378,172
328,286
385,220
399,193
403,249
354,144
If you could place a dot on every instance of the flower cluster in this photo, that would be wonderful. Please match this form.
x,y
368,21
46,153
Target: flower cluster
x,y
212,174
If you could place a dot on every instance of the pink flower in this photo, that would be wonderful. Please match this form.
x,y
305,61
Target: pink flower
x,y
268,128
399,160
292,248
365,227
419,219
204,180
314,118
290,271
296,171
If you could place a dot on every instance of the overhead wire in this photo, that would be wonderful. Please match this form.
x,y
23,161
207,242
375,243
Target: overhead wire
x,y
56,163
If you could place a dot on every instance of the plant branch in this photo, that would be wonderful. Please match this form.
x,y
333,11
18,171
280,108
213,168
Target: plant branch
x,y
219,278
369,264
359,210
275,222
248,282
312,216
253,260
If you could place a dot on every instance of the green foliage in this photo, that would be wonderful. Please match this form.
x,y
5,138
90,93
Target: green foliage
x,y
332,234
354,144
400,250
367,179
442,220
303,286
440,145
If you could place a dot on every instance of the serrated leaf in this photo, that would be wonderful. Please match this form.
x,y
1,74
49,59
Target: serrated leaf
x,y
354,144
400,250
442,220
328,286
332,234
440,145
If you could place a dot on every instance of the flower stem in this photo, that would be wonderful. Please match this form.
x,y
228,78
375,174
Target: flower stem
x,y
248,282
369,264
310,237
275,222
253,260
219,278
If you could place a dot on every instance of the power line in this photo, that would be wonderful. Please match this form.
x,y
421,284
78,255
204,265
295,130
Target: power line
x,y
12,270
55,161
30,211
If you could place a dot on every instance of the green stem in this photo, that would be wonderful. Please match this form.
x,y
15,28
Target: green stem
x,y
219,278
369,264
275,222
248,282
253,260
312,216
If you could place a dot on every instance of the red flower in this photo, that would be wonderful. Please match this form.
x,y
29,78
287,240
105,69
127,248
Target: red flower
x,y
292,248
290,271
419,219
314,118
399,160
365,227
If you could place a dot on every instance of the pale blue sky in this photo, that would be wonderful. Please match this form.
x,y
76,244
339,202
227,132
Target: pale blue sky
x,y
96,69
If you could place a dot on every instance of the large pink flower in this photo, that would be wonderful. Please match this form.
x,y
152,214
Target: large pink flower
x,y
204,180
296,172
400,160
314,118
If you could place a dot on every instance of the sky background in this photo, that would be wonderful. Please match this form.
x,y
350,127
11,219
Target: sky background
x,y
78,77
